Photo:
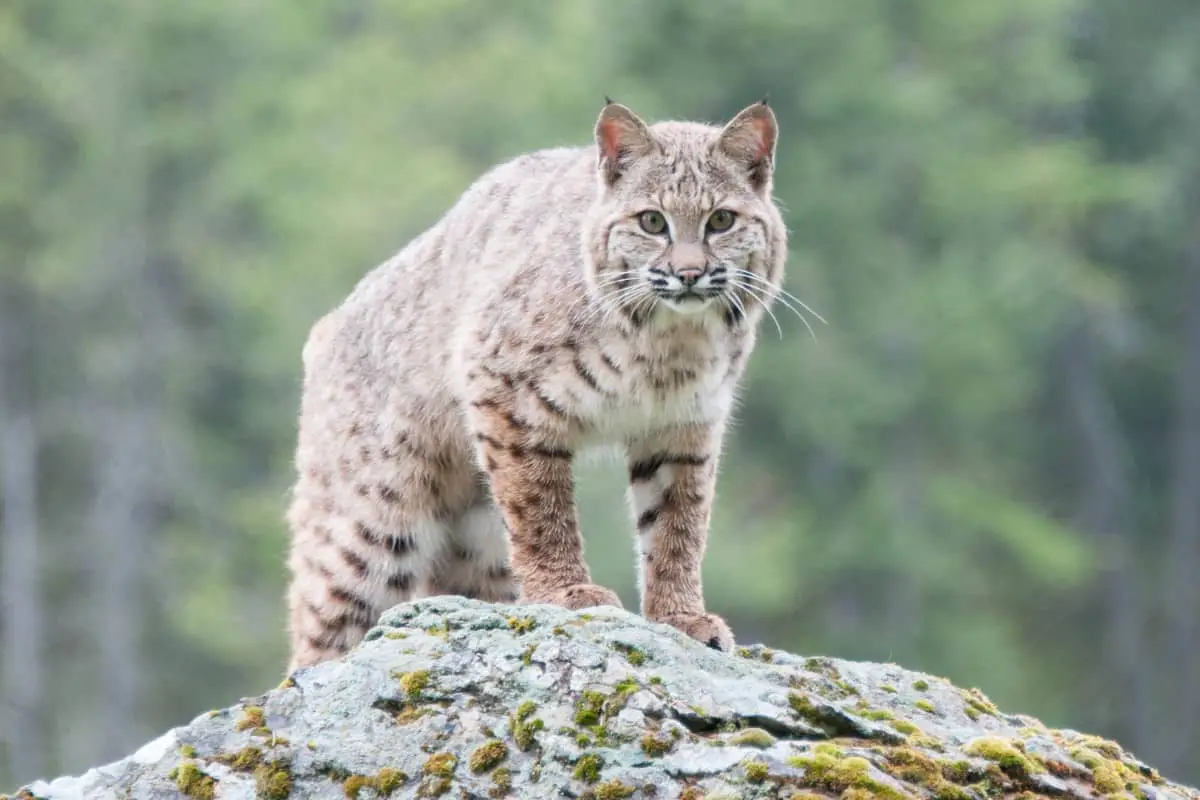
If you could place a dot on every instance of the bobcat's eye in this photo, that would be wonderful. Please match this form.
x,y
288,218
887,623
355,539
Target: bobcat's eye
x,y
721,220
652,222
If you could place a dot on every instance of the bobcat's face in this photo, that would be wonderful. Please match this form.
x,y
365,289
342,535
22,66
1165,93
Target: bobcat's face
x,y
684,219
689,256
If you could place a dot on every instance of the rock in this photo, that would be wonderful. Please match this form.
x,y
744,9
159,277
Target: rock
x,y
457,698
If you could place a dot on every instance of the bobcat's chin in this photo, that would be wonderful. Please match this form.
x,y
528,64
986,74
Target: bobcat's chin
x,y
688,304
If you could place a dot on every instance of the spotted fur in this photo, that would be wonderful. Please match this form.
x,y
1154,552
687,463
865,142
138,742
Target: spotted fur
x,y
445,399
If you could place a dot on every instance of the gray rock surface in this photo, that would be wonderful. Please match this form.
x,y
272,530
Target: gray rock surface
x,y
461,699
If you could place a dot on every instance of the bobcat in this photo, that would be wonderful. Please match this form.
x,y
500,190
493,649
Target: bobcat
x,y
572,297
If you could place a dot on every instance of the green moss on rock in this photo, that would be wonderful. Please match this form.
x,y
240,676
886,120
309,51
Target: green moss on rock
x,y
756,771
440,764
388,780
384,783
752,737
413,683
588,708
612,790
524,726
273,781
655,746
1107,779
828,749
914,767
1005,754
876,714
527,655
800,704
587,768
976,704
842,775
194,782
355,784
958,771
253,717
501,782
487,756
1109,773
633,655
243,760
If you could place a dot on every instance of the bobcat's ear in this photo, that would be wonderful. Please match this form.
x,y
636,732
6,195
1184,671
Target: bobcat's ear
x,y
621,139
749,139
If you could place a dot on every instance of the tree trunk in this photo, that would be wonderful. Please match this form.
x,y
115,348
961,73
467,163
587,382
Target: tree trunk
x,y
126,396
118,550
1103,512
20,599
903,595
1181,596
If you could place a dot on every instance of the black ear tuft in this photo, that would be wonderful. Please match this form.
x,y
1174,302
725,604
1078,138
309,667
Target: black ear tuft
x,y
608,101
764,102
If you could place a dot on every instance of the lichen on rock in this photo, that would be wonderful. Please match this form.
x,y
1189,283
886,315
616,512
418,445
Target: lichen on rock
x,y
449,697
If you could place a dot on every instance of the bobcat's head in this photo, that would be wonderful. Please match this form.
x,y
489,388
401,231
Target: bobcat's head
x,y
683,221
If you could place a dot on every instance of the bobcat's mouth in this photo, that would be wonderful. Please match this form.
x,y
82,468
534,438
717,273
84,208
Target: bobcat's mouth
x,y
690,298
688,301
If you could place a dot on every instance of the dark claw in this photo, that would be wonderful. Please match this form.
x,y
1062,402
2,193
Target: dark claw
x,y
715,643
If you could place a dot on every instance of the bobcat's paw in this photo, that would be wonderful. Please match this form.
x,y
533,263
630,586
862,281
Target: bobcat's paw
x,y
581,595
707,628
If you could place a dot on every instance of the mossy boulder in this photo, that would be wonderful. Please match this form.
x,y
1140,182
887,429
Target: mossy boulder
x,y
448,697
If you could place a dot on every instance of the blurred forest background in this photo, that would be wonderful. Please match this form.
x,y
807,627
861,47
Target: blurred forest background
x,y
987,466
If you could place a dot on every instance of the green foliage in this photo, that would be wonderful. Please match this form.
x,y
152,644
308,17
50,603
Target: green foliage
x,y
990,203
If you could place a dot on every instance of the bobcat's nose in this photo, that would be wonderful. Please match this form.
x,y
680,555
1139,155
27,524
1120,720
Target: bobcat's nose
x,y
688,262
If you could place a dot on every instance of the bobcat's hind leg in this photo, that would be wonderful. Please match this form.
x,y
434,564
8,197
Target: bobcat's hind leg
x,y
476,562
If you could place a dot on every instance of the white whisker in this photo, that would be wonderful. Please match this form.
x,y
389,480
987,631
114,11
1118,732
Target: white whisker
x,y
609,303
754,292
750,291
618,277
782,291
647,299
741,307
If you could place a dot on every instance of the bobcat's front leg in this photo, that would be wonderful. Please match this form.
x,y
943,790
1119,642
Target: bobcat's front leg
x,y
529,469
672,477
